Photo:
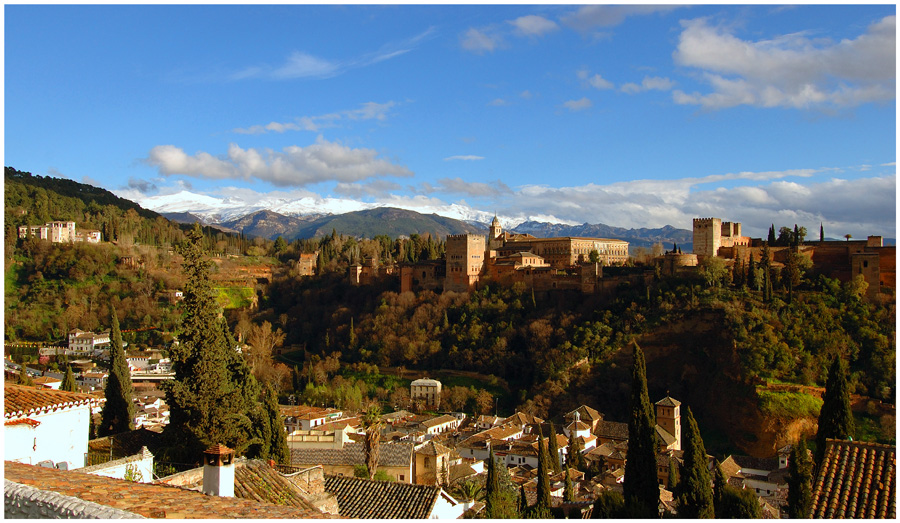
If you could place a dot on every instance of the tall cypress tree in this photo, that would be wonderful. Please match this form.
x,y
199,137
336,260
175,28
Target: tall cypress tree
x,y
543,476
553,450
821,232
720,485
695,496
499,500
771,239
574,457
835,418
118,411
68,382
278,447
207,404
799,482
641,489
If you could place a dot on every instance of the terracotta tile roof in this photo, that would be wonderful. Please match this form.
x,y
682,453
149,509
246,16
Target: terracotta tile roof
x,y
254,480
522,419
578,426
151,501
586,413
668,402
856,480
22,421
749,462
432,448
440,420
390,454
612,430
664,435
24,401
369,499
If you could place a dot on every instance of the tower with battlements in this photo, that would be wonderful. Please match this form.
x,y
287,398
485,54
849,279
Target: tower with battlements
x,y
465,261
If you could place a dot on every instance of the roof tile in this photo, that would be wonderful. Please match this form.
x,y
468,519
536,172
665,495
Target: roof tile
x,y
856,480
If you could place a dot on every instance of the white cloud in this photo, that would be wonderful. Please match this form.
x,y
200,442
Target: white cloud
x,y
792,70
479,41
498,102
590,17
533,25
374,188
475,189
304,65
468,157
293,167
578,105
368,111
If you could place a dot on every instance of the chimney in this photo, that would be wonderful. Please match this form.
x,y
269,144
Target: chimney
x,y
218,471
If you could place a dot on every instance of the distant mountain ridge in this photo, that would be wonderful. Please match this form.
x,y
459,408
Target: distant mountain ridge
x,y
642,237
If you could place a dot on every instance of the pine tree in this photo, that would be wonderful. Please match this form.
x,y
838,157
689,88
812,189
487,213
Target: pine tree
x,y
695,496
799,482
68,382
553,450
210,400
641,490
835,417
118,411
543,476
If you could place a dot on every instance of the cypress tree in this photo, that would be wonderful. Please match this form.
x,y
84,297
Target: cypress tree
x,y
673,474
835,418
68,382
278,447
771,239
209,399
523,501
695,496
821,232
574,457
499,500
720,485
553,450
641,490
569,489
543,476
24,378
799,482
118,411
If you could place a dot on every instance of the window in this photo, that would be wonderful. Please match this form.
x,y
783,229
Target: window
x,y
402,477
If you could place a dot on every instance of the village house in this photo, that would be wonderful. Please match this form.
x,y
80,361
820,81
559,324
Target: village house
x,y
396,459
427,391
359,498
88,343
46,426
432,464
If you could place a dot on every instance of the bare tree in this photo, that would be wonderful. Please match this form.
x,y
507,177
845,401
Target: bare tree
x,y
262,341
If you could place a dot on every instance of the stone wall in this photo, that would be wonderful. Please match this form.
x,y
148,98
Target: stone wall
x,y
26,502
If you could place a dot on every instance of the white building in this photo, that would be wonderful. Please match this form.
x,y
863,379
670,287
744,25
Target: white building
x,y
427,391
88,342
56,232
42,425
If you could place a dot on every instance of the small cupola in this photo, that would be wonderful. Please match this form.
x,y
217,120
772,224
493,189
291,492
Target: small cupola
x,y
218,471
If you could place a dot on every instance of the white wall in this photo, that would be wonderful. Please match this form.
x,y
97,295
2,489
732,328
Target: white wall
x,y
61,436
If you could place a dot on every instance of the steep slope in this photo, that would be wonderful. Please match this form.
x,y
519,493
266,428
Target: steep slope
x,y
268,224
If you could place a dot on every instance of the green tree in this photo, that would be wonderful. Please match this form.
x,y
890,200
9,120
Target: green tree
x,y
771,239
499,499
118,411
641,489
569,489
24,378
835,417
280,245
594,256
68,382
278,447
609,505
740,504
695,496
543,476
553,450
574,457
720,484
799,481
211,399
673,478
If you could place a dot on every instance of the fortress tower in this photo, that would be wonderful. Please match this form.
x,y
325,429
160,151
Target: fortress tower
x,y
668,416
465,261
712,233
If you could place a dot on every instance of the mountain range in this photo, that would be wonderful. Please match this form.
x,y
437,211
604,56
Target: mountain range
x,y
394,222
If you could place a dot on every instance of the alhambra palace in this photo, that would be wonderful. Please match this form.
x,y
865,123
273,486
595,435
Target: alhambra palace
x,y
564,263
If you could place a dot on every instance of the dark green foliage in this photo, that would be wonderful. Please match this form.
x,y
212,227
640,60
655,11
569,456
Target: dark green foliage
x,y
641,488
543,476
674,477
574,457
569,489
118,411
523,500
720,484
213,397
553,450
68,382
500,497
800,481
609,505
835,418
771,239
24,377
694,495
740,504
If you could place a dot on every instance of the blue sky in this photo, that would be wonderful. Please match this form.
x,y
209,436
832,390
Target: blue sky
x,y
633,116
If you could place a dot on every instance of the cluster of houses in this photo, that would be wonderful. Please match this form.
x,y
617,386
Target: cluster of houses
x,y
49,462
59,232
